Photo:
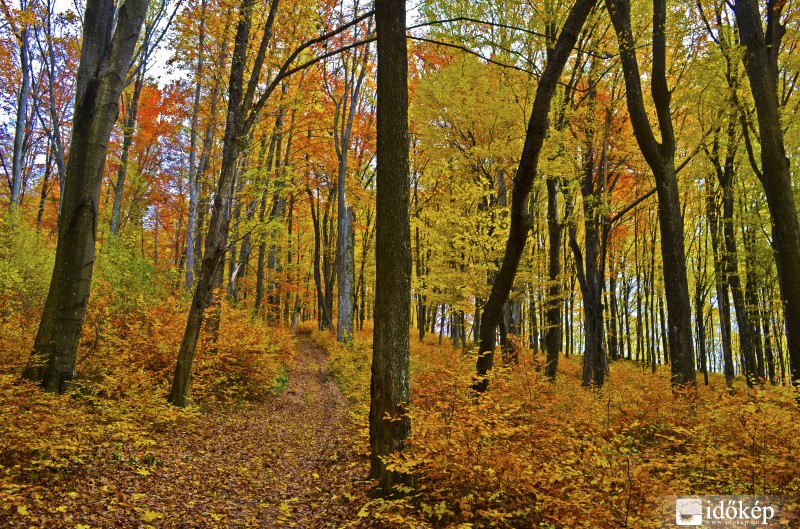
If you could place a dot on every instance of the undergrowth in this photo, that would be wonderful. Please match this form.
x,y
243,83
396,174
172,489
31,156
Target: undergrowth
x,y
131,334
531,453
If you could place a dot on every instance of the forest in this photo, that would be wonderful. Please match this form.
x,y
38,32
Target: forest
x,y
430,264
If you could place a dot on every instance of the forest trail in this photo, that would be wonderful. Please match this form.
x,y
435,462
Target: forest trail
x,y
286,462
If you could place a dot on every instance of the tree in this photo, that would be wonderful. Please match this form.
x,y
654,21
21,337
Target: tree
x,y
109,39
20,28
761,64
354,69
660,156
526,172
390,387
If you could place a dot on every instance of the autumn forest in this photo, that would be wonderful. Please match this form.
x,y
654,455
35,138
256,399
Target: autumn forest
x,y
343,263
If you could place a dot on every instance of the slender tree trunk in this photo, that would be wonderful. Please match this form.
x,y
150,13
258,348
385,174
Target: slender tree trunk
x,y
217,238
262,215
128,131
194,188
752,357
55,124
278,212
45,187
523,181
613,336
721,284
768,350
325,321
660,156
345,248
22,114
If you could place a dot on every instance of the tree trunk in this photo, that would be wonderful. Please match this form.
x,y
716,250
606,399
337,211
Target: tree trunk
x,y
721,284
128,130
390,389
660,156
217,238
22,113
614,342
523,181
262,215
55,126
761,64
194,188
105,59
345,247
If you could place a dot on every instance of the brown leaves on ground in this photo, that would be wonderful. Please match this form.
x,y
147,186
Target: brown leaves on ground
x,y
288,461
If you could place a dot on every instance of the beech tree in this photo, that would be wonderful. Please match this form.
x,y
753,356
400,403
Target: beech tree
x,y
109,39
660,156
523,181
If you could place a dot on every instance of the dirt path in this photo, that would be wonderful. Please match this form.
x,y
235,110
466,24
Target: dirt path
x,y
288,462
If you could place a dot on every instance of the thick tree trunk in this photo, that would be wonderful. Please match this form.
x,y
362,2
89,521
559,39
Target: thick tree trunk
x,y
523,181
105,59
390,388
660,156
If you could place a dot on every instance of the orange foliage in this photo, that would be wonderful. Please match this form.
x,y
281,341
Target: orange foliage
x,y
530,453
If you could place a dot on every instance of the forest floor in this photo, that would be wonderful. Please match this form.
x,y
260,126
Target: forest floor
x,y
287,462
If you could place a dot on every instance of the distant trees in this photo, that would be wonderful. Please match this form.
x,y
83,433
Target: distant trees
x,y
247,98
278,204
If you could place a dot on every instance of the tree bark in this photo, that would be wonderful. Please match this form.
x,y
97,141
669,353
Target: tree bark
x,y
390,389
109,38
523,181
660,156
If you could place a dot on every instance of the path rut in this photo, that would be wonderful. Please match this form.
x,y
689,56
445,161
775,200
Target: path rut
x,y
287,462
